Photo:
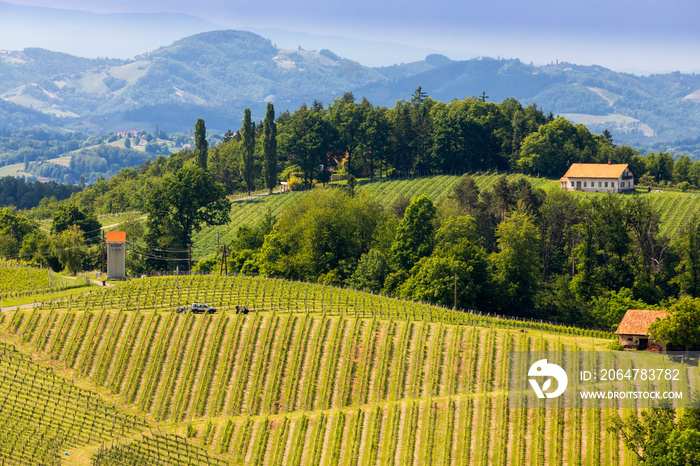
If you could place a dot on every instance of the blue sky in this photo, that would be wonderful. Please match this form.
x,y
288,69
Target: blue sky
x,y
641,35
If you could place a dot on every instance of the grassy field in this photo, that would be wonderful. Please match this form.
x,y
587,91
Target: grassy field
x,y
312,375
16,169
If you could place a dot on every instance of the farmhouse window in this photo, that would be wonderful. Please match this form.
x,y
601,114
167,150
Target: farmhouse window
x,y
612,185
572,184
584,184
606,184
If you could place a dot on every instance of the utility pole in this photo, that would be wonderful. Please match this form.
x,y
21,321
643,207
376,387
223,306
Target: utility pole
x,y
221,264
224,266
189,258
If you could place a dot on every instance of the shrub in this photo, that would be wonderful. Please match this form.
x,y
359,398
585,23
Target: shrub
x,y
206,265
295,184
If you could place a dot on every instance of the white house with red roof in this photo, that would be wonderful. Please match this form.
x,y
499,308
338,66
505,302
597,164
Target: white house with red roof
x,y
598,178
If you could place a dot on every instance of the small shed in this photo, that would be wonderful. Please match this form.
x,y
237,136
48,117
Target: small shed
x,y
633,332
116,254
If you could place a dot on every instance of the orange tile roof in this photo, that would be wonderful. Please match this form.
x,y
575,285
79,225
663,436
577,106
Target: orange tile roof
x,y
637,321
594,170
116,236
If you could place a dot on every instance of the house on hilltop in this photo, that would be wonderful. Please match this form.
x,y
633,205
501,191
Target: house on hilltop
x,y
598,178
633,332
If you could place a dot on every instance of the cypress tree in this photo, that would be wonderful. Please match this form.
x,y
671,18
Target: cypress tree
x,y
270,147
248,134
200,143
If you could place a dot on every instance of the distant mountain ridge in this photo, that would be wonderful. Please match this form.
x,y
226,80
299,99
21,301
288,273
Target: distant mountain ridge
x,y
214,75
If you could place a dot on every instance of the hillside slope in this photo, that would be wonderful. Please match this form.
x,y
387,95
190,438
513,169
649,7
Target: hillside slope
x,y
314,374
676,208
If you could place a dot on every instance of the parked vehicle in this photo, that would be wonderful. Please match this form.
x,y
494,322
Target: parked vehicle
x,y
197,308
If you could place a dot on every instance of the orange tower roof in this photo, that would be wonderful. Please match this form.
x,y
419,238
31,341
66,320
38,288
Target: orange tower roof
x,y
116,236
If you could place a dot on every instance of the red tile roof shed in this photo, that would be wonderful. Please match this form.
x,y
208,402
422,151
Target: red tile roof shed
x,y
637,321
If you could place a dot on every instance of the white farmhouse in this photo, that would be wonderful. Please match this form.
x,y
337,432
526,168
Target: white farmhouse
x,y
598,178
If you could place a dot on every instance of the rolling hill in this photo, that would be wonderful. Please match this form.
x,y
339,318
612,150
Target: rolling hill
x,y
214,75
675,208
314,374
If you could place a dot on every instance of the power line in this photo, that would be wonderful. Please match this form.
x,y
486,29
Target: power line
x,y
208,248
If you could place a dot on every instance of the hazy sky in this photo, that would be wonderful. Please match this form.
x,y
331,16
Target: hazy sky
x,y
623,35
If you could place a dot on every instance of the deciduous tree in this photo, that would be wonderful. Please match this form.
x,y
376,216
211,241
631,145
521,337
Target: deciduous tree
x,y
415,234
180,206
517,264
682,327
688,277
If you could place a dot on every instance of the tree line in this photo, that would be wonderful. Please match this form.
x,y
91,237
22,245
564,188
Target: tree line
x,y
421,136
357,139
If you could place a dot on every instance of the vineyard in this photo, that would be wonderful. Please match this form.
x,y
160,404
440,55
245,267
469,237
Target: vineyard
x,y
676,208
42,414
312,375
437,188
251,211
17,281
